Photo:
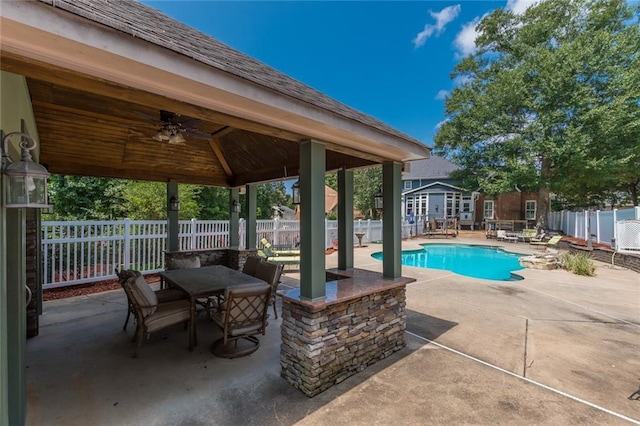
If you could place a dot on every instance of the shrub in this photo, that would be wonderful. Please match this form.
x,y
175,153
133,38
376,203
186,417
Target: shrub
x,y
579,264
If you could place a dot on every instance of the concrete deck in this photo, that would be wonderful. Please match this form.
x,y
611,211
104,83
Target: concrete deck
x,y
554,348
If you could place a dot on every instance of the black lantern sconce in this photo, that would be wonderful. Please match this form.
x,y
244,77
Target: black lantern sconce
x,y
235,206
295,192
378,200
174,204
26,180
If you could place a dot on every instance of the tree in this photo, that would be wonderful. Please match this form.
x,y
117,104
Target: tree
x,y
269,195
523,115
213,202
85,198
148,200
366,183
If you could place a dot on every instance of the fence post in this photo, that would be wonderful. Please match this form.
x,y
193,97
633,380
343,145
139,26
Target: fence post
x,y
127,244
192,234
327,243
637,209
276,229
598,226
242,225
615,225
586,225
369,230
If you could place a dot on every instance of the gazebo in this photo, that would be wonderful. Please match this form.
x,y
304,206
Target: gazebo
x,y
120,90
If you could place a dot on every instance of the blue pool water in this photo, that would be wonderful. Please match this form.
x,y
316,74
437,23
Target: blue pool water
x,y
490,263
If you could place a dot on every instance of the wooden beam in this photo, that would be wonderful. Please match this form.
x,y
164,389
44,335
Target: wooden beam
x,y
214,143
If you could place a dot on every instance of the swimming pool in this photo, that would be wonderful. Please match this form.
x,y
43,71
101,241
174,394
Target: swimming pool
x,y
490,263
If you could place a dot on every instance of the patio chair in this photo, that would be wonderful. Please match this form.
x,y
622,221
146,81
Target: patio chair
x,y
527,235
242,317
270,273
552,242
164,295
151,315
250,265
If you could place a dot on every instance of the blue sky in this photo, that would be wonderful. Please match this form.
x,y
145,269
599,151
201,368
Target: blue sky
x,y
390,60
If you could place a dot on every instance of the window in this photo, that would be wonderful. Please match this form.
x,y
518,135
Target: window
x,y
407,184
530,209
466,204
488,209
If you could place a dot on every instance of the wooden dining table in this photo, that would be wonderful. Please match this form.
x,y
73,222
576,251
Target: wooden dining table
x,y
204,282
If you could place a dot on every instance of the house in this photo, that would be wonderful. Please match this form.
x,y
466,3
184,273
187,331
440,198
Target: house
x,y
429,192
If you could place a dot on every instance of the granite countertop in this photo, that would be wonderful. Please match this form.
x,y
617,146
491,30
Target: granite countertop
x,y
345,285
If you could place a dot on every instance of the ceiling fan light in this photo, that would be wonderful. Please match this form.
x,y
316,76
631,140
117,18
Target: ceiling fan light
x,y
177,139
158,137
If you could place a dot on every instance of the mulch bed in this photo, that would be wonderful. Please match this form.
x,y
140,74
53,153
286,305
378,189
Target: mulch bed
x,y
89,288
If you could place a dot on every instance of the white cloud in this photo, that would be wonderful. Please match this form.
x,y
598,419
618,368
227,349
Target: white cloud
x,y
465,41
519,6
441,123
442,18
442,94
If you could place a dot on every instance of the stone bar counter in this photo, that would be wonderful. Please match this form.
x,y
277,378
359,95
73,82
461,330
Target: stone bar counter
x,y
360,321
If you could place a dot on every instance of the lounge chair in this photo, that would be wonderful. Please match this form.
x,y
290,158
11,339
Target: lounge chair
x,y
527,235
552,242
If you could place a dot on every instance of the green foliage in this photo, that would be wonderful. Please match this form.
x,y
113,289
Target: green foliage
x,y
331,180
269,195
549,103
148,200
85,198
366,183
579,263
213,202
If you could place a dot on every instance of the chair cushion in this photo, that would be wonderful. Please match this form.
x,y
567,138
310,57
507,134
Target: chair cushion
x,y
125,274
143,294
266,271
185,263
167,314
251,264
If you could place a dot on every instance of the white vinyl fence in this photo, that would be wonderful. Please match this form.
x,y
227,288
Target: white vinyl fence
x,y
88,251
614,227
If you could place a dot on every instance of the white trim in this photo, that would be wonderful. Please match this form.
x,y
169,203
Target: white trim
x,y
435,184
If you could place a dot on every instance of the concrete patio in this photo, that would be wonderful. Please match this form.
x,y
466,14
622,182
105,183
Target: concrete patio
x,y
554,348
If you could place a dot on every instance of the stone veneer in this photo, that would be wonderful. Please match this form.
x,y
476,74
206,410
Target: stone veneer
x,y
231,257
357,325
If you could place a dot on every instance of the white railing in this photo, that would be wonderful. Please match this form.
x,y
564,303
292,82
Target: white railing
x,y
88,251
602,226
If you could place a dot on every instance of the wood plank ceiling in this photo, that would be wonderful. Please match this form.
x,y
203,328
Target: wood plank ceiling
x,y
91,127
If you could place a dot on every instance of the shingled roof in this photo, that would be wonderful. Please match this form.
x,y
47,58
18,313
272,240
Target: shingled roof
x,y
146,23
429,168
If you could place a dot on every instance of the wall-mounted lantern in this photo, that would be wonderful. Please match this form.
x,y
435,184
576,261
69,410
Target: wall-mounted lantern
x,y
295,192
378,200
174,204
235,206
26,184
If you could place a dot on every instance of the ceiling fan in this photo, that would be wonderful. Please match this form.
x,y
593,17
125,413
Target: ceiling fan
x,y
173,128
